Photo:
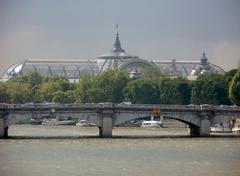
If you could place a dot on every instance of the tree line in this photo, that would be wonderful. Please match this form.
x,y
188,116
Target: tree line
x,y
116,86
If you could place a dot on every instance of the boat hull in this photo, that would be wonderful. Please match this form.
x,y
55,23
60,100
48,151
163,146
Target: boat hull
x,y
220,130
151,124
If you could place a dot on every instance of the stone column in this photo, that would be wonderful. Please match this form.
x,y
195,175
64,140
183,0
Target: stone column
x,y
205,127
107,124
202,131
1,127
3,130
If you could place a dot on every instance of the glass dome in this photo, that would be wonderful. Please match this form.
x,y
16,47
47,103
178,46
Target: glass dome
x,y
205,67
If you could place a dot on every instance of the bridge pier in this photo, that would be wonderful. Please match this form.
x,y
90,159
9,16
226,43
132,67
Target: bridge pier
x,y
203,130
205,127
107,124
3,130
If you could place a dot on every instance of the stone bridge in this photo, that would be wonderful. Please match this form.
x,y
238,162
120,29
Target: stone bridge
x,y
105,115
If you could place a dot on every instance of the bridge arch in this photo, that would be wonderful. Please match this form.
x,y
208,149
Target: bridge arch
x,y
13,118
189,119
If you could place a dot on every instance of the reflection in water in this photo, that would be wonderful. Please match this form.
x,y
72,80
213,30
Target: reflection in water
x,y
28,152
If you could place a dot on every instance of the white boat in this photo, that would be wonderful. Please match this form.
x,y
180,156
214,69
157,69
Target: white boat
x,y
236,129
152,123
35,121
84,123
58,122
65,122
221,128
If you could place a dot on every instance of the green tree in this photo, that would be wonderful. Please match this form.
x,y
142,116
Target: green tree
x,y
108,86
81,93
46,91
175,91
19,92
63,97
142,90
49,86
4,95
234,89
210,88
32,78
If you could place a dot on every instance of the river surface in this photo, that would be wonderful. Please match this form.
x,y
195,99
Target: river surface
x,y
77,151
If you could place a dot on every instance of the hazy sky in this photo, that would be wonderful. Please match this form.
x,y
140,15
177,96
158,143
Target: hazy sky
x,y
151,29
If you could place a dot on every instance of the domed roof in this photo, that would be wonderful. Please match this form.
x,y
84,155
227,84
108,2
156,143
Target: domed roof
x,y
203,67
117,51
117,58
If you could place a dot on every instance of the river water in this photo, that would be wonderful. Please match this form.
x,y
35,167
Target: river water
x,y
77,151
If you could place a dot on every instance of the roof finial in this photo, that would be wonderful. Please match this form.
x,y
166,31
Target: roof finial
x,y
204,59
117,44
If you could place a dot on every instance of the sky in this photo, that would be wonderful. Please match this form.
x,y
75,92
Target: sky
x,y
151,29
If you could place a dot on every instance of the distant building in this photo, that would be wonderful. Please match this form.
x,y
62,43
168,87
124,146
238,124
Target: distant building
x,y
204,67
116,58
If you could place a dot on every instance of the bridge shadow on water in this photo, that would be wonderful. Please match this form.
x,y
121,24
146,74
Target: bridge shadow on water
x,y
121,137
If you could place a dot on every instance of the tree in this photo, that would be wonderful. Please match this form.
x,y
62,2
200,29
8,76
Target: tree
x,y
4,95
63,97
234,89
82,89
49,86
32,78
46,91
175,91
142,90
210,88
108,86
19,92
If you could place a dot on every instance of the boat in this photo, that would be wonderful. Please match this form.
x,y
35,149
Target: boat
x,y
65,122
152,123
84,123
236,126
58,122
221,128
35,121
236,129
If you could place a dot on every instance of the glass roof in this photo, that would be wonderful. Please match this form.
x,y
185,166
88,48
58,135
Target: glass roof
x,y
116,58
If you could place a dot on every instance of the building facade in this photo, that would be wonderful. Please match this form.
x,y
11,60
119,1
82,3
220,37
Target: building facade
x,y
117,58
